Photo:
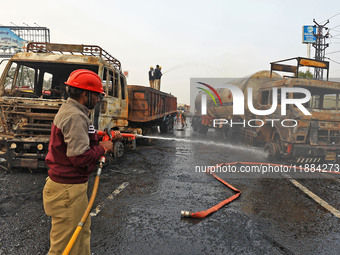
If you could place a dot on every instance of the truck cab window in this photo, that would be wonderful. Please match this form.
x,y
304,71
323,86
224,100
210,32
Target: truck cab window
x,y
315,102
123,86
10,77
47,82
107,82
329,101
26,78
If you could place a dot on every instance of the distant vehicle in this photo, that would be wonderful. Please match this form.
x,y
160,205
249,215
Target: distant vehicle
x,y
314,138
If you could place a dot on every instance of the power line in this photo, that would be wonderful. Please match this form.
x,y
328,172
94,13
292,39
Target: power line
x,y
336,71
331,17
333,61
333,52
334,35
334,15
335,27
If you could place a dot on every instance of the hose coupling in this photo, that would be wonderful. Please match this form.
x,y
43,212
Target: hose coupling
x,y
186,214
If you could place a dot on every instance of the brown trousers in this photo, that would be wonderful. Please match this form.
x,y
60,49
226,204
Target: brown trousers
x,y
66,204
158,84
152,84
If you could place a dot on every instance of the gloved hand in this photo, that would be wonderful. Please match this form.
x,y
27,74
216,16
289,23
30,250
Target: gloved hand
x,y
108,145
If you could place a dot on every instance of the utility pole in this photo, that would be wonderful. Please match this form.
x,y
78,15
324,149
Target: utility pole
x,y
320,45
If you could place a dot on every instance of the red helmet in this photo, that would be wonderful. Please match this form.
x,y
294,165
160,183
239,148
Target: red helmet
x,y
85,79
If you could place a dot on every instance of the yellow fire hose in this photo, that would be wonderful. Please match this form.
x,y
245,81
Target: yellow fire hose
x,y
88,209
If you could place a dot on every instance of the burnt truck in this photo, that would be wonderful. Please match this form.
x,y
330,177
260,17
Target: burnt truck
x,y
308,136
32,89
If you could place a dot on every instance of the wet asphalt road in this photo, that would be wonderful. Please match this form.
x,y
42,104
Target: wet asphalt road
x,y
271,216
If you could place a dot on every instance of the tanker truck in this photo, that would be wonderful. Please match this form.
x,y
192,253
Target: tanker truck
x,y
290,117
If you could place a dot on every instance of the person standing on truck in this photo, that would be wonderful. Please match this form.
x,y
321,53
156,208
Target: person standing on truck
x,y
151,78
73,153
157,75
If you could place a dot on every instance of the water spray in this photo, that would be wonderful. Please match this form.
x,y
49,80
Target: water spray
x,y
212,143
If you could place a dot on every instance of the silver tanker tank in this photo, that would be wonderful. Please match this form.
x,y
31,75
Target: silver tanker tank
x,y
255,81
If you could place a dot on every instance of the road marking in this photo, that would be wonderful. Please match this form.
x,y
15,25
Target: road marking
x,y
110,197
316,198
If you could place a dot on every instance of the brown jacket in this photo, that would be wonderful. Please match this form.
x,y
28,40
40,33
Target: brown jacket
x,y
73,148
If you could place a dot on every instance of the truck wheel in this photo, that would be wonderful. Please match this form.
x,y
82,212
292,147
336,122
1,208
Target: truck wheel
x,y
118,149
227,132
202,129
194,124
171,125
164,128
146,141
273,150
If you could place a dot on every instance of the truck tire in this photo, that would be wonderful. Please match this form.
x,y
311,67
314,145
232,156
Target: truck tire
x,y
145,141
227,132
164,128
203,129
118,149
194,124
273,150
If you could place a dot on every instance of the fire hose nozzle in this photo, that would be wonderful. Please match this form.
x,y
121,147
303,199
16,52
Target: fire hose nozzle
x,y
186,214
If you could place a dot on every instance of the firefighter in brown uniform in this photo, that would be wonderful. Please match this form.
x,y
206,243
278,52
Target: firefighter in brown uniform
x,y
151,78
73,153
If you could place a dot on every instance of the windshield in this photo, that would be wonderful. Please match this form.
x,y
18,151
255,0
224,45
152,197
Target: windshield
x,y
39,79
324,99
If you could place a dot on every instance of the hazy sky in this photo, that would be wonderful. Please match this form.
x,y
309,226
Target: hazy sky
x,y
189,39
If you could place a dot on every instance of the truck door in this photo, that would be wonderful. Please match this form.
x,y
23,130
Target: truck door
x,y
113,108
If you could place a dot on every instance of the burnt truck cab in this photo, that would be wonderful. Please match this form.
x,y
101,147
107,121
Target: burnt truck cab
x,y
32,89
311,138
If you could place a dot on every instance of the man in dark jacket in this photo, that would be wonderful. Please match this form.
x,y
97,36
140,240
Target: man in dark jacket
x,y
157,75
151,78
73,153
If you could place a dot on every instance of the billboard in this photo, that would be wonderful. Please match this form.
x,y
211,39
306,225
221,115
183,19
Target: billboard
x,y
14,38
308,34
10,41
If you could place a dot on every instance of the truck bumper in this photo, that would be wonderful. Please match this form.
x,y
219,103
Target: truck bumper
x,y
23,153
311,154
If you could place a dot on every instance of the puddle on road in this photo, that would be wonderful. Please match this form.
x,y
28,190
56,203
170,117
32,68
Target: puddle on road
x,y
277,201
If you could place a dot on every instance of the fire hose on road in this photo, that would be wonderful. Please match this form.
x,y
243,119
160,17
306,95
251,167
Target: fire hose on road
x,y
207,212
